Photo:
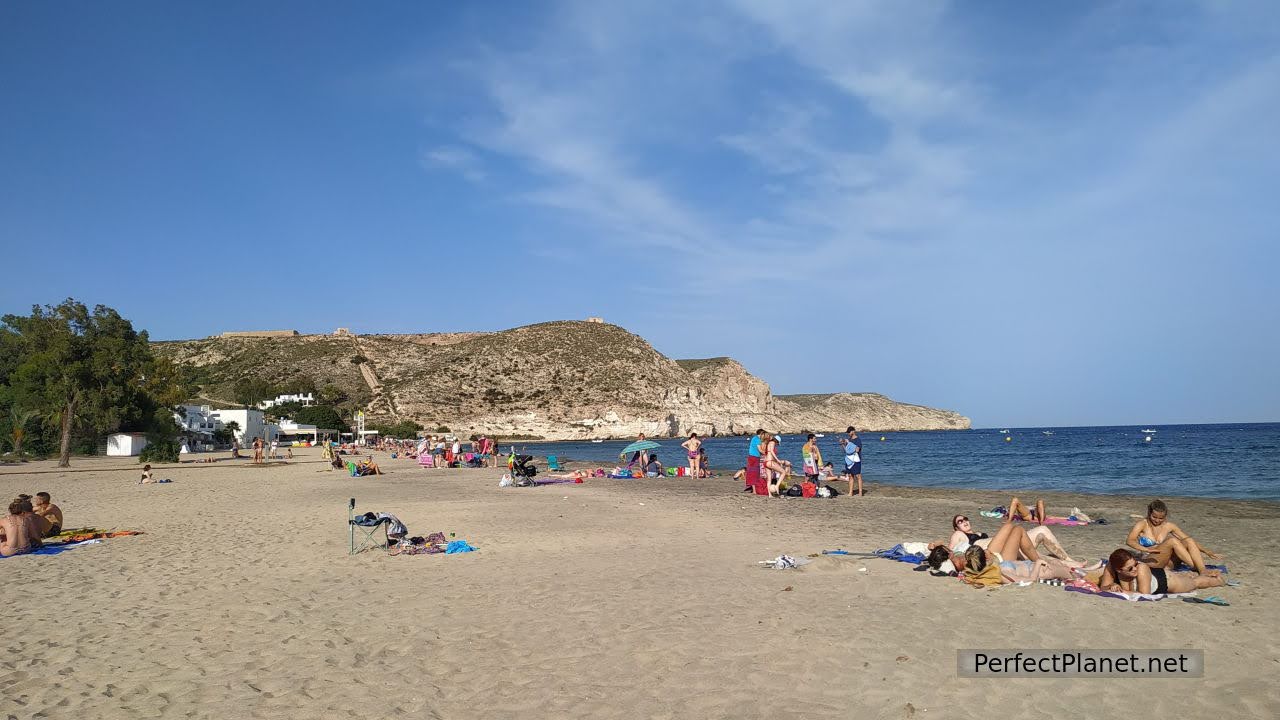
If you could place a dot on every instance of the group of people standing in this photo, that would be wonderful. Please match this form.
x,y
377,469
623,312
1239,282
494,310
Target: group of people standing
x,y
765,472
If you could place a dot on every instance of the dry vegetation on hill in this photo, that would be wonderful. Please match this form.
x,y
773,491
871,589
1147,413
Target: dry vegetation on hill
x,y
554,380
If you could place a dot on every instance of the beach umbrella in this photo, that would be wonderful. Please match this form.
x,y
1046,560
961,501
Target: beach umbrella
x,y
638,446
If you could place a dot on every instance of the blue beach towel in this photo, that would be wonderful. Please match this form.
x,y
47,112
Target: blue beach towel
x,y
458,546
901,555
56,549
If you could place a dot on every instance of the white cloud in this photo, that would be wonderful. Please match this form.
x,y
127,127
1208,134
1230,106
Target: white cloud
x,y
456,158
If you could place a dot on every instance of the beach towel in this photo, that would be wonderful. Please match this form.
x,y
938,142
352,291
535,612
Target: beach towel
x,y
1130,596
1056,520
989,577
899,553
57,549
458,546
92,534
621,477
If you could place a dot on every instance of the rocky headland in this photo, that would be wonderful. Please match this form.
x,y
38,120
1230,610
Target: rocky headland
x,y
562,380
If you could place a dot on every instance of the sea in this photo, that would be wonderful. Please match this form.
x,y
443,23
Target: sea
x,y
1240,461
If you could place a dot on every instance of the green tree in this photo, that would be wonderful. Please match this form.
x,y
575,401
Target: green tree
x,y
251,391
81,370
18,421
322,416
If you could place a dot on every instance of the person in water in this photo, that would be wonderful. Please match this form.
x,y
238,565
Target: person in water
x,y
1166,541
1124,573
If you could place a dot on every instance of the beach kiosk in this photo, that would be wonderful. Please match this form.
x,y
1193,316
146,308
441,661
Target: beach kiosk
x,y
125,444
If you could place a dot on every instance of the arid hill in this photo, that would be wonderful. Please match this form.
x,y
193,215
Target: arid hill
x,y
555,380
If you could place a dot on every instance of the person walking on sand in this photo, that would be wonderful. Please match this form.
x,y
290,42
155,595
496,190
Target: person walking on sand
x,y
853,459
275,447
692,445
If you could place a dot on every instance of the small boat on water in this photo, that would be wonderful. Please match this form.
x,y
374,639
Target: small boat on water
x,y
818,435
597,441
1004,432
1148,432
1047,432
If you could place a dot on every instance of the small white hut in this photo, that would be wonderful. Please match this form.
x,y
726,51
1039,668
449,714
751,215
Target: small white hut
x,y
125,444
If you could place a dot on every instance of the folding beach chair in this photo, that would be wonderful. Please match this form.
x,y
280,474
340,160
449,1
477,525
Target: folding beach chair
x,y
368,532
553,463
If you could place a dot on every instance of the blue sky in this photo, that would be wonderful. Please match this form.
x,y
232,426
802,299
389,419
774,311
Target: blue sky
x,y
1031,213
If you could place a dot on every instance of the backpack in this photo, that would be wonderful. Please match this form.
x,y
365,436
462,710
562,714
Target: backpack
x,y
795,491
808,489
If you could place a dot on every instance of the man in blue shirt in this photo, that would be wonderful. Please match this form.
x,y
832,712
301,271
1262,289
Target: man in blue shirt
x,y
853,459
753,464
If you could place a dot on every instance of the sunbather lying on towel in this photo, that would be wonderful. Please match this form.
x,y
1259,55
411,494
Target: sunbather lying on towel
x,y
976,562
962,536
1125,574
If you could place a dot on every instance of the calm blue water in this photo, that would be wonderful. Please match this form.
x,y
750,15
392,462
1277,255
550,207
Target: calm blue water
x,y
1225,461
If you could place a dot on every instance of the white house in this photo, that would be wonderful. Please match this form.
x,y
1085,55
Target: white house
x,y
125,444
307,400
198,419
251,424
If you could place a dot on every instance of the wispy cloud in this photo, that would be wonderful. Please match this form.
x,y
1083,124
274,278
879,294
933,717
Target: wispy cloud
x,y
455,158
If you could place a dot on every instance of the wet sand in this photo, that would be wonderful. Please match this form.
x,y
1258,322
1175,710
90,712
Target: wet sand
x,y
608,599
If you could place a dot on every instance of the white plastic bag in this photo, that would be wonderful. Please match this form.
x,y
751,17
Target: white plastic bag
x,y
505,481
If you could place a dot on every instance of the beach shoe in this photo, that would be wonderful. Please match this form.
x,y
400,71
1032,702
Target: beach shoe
x,y
991,514
1211,600
1233,583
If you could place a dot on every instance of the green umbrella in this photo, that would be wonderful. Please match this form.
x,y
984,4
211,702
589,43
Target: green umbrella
x,y
638,446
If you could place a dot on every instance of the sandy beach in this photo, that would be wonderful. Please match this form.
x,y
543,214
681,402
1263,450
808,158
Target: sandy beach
x,y
606,599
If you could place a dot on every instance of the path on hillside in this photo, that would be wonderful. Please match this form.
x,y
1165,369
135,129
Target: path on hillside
x,y
371,379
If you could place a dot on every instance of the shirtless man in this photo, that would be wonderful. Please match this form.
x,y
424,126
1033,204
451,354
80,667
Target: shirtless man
x,y
50,513
692,445
19,532
1156,535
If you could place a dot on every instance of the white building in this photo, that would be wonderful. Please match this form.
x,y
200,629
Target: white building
x,y
197,419
307,400
125,444
250,422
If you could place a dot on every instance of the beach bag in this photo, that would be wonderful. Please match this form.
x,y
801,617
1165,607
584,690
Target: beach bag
x,y
808,489
794,491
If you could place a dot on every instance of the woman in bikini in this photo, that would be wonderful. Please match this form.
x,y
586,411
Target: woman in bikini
x,y
963,536
1165,541
691,445
1124,573
1015,571
779,470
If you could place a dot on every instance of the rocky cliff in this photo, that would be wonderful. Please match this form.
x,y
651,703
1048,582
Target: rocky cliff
x,y
557,380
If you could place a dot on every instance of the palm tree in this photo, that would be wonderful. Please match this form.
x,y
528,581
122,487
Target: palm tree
x,y
19,420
